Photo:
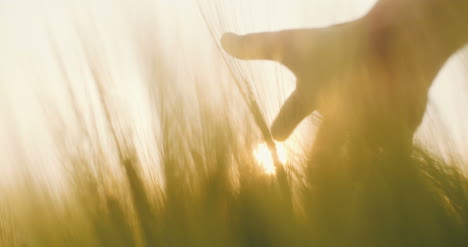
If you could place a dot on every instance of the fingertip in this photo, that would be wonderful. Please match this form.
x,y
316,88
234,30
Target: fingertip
x,y
285,123
294,110
278,132
228,41
226,37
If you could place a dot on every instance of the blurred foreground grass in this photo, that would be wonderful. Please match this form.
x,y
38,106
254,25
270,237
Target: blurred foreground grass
x,y
214,194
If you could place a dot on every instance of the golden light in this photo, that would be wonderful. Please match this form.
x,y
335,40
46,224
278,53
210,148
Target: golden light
x,y
264,157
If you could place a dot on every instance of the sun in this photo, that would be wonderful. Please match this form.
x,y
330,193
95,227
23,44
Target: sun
x,y
264,157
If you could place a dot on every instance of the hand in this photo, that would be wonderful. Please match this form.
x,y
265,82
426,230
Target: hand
x,y
359,74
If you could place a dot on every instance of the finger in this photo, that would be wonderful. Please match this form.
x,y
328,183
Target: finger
x,y
294,110
257,46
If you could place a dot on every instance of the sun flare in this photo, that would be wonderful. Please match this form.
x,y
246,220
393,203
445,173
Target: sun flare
x,y
264,157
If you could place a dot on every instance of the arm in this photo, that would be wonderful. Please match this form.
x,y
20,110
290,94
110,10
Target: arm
x,y
440,24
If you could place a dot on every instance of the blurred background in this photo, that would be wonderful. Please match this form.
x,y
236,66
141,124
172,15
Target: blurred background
x,y
108,106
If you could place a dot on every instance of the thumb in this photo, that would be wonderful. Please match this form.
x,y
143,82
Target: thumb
x,y
294,110
256,46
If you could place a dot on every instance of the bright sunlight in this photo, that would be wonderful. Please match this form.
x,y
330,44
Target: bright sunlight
x,y
264,157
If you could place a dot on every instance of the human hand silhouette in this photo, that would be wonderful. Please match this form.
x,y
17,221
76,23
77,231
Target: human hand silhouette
x,y
313,55
363,74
